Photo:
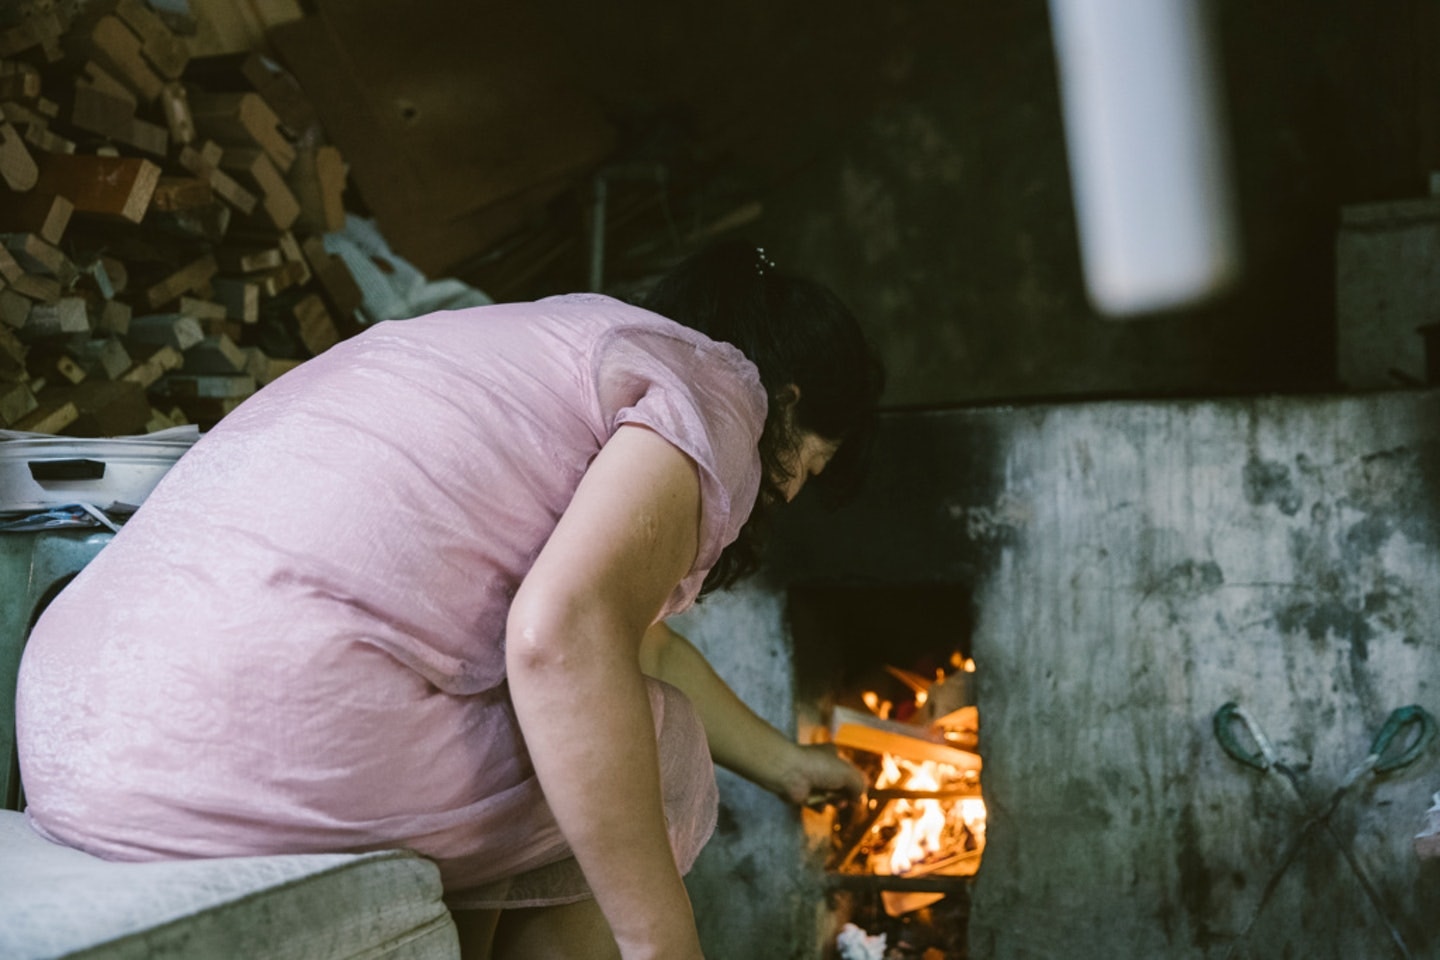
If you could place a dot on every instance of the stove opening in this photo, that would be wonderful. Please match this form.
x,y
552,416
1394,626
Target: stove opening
x,y
885,673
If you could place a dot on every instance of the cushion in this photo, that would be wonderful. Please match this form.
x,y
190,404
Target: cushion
x,y
59,902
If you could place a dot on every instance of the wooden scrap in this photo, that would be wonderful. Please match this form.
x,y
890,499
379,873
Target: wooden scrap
x,y
13,355
277,280
318,181
202,309
254,169
337,285
247,259
17,166
175,106
18,81
183,386
265,368
148,371
51,417
117,273
102,357
108,186
37,256
36,30
44,139
191,277
113,45
167,52
181,193
314,325
38,287
14,308
64,317
253,71
43,214
103,81
98,112
112,317
242,119
16,402
225,186
240,298
165,329
206,224
108,408
10,269
215,355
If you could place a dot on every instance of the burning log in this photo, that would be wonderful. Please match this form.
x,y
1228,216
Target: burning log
x,y
861,731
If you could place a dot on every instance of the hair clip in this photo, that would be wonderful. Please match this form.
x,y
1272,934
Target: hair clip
x,y
762,261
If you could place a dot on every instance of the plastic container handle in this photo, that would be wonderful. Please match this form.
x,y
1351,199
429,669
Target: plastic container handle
x,y
42,470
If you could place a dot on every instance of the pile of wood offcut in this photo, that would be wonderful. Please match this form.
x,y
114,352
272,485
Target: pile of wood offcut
x,y
161,223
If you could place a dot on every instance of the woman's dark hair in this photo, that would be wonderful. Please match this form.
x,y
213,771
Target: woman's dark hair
x,y
795,331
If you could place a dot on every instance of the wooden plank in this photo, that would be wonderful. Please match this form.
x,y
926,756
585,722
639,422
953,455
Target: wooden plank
x,y
107,186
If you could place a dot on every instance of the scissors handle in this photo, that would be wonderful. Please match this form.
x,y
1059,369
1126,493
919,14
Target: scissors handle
x,y
1227,718
1400,720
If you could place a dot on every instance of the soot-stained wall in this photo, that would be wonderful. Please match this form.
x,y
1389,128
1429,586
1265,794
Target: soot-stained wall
x,y
1134,567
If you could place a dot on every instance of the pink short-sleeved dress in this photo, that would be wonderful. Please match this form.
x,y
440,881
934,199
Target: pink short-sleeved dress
x,y
297,643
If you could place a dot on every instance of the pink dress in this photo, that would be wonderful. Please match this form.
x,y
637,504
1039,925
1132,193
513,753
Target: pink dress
x,y
297,643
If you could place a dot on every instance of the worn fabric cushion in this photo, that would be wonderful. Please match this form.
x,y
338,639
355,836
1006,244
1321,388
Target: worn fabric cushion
x,y
59,902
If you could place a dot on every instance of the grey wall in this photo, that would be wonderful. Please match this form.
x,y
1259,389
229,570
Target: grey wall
x,y
1136,565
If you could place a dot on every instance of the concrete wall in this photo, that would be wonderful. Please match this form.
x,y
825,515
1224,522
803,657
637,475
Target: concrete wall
x,y
1136,565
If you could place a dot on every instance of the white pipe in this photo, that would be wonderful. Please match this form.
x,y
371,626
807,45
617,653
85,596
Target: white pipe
x,y
1148,154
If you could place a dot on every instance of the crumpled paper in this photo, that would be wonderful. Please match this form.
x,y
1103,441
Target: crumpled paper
x,y
856,944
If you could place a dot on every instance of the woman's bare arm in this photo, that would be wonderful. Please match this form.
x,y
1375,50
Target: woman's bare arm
x,y
740,740
573,637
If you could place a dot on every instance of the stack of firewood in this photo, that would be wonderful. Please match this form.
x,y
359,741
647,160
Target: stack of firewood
x,y
161,224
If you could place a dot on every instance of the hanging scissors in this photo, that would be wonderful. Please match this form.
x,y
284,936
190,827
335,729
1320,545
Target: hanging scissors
x,y
1389,751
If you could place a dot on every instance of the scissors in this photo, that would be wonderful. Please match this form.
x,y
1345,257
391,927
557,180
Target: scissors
x,y
1388,753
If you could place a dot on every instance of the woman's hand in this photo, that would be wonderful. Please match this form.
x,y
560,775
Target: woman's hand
x,y
816,773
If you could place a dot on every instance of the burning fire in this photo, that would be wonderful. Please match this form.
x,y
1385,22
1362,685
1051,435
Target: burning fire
x,y
926,816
